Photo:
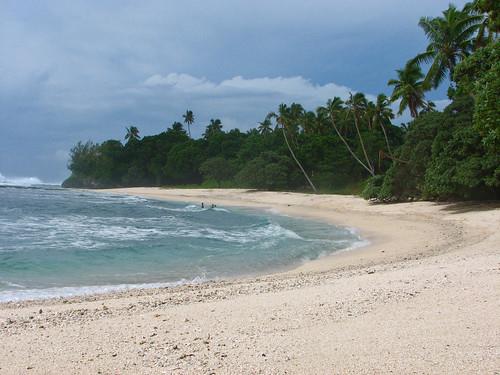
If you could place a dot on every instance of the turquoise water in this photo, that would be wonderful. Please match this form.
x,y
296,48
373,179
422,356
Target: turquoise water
x,y
58,242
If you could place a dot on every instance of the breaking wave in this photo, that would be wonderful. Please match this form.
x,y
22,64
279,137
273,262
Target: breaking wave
x,y
22,181
58,242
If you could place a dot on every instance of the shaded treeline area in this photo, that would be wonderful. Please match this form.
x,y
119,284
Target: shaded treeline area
x,y
345,144
259,158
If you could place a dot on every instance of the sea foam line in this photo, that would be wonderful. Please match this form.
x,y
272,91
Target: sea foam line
x,y
78,291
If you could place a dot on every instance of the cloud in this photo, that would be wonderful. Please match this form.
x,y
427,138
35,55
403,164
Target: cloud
x,y
238,101
78,70
184,82
287,89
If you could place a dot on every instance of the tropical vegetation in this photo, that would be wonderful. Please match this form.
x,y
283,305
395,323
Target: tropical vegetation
x,y
347,145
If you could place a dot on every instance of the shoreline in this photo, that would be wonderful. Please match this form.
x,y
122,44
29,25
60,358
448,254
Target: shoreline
x,y
357,218
423,296
124,289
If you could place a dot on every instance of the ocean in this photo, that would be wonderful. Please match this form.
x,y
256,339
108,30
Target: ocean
x,y
57,242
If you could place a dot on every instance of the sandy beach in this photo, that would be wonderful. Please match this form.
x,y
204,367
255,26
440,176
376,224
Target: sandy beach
x,y
422,297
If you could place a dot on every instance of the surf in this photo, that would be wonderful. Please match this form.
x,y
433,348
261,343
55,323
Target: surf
x,y
56,242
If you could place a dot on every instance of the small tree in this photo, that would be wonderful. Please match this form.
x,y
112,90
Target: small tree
x,y
217,169
132,134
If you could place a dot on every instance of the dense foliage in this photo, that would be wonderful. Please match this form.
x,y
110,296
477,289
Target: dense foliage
x,y
443,157
454,154
259,158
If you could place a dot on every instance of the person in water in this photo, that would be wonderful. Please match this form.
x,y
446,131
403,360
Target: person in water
x,y
202,205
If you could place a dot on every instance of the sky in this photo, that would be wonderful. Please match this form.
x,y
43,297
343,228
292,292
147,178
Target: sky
x,y
86,70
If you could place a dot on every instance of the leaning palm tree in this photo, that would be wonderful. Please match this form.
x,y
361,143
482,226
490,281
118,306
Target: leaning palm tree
x,y
188,120
132,134
409,88
334,107
283,121
357,105
450,41
382,116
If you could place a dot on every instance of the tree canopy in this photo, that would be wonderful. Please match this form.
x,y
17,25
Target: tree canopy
x,y
344,145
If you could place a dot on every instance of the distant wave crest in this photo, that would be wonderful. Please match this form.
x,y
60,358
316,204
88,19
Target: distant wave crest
x,y
21,181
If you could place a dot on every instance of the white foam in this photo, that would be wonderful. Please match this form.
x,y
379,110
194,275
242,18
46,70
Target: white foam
x,y
220,209
360,241
354,245
237,236
59,292
188,208
12,285
103,198
131,198
81,231
21,181
73,229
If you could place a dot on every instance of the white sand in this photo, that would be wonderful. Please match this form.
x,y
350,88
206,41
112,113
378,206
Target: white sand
x,y
424,297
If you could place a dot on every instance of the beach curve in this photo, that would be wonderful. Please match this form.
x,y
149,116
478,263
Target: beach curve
x,y
414,299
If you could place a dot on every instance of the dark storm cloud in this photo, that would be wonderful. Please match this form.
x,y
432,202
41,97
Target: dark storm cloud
x,y
78,70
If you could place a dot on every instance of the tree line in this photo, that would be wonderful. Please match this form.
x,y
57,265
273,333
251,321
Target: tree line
x,y
347,145
289,149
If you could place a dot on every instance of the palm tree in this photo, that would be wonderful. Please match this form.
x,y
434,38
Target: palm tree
x,y
409,88
214,127
188,119
322,121
490,24
177,127
310,122
382,116
451,40
370,113
357,105
295,116
264,127
428,107
132,134
334,107
284,119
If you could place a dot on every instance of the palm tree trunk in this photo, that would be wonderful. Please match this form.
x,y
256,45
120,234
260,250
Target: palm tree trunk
x,y
386,139
382,154
297,161
189,130
413,108
350,150
363,145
